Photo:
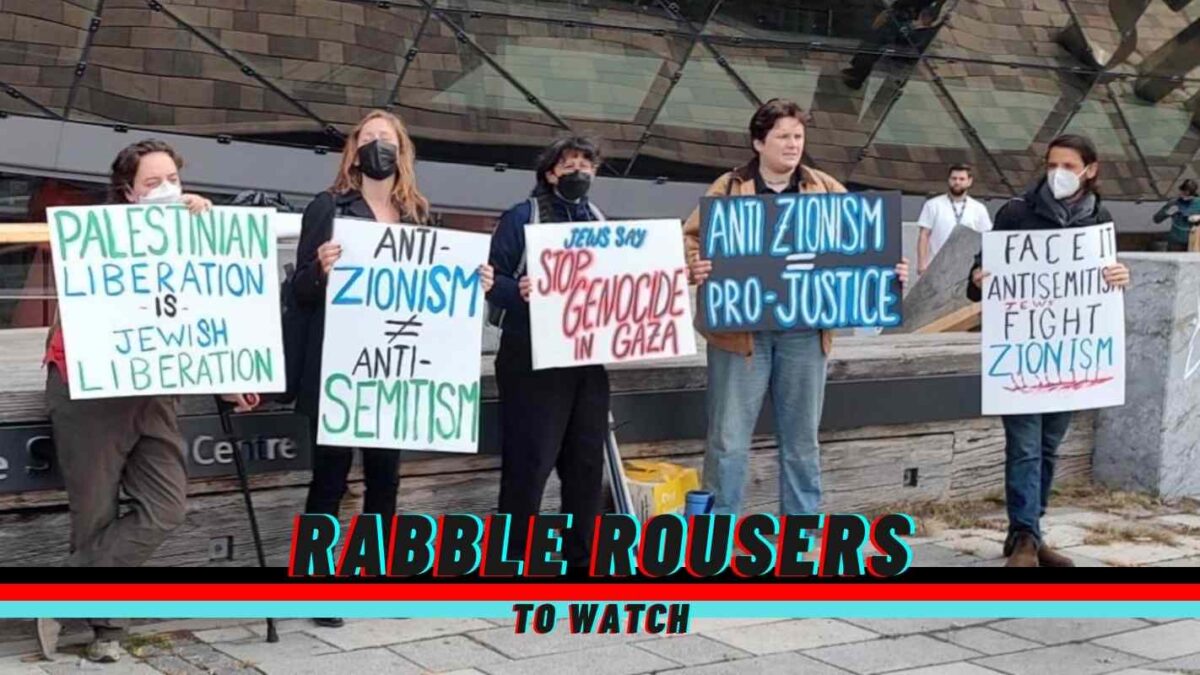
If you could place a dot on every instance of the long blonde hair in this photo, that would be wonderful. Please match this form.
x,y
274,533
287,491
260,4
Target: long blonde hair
x,y
407,199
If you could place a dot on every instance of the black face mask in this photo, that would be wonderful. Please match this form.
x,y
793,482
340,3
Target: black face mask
x,y
574,186
377,160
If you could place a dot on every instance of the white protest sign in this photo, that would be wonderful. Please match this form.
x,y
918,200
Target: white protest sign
x,y
403,332
1053,330
606,292
155,300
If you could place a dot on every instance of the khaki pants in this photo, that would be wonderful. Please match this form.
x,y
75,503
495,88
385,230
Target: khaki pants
x,y
104,445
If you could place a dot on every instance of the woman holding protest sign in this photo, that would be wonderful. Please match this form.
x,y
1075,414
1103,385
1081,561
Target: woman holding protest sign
x,y
554,419
1064,197
375,181
743,366
133,443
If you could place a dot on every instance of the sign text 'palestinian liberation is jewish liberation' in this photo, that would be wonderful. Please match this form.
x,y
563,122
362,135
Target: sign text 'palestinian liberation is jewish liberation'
x,y
157,300
794,260
403,332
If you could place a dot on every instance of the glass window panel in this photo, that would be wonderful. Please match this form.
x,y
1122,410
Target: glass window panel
x,y
643,14
1163,39
1021,31
920,138
1165,131
148,70
41,42
1122,175
850,24
1014,111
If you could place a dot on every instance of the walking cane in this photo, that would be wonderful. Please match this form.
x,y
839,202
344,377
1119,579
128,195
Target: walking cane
x,y
240,462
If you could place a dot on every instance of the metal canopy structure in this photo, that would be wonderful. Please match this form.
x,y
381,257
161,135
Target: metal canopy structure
x,y
898,90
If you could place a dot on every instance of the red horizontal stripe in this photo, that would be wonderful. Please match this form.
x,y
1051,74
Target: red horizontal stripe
x,y
675,592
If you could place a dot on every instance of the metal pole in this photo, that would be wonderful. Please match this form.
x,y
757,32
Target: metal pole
x,y
240,462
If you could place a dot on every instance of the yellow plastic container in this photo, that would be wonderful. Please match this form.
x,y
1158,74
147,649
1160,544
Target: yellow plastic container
x,y
658,487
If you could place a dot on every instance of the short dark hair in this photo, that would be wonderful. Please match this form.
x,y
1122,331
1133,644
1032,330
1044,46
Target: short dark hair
x,y
553,154
962,167
769,113
125,166
1189,187
1086,149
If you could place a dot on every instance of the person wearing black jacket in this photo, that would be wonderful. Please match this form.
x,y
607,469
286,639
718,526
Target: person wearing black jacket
x,y
555,418
376,181
1065,197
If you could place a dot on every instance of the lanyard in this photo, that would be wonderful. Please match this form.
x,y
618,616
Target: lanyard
x,y
958,212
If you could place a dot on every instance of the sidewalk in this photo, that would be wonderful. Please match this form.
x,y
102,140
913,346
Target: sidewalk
x,y
1096,530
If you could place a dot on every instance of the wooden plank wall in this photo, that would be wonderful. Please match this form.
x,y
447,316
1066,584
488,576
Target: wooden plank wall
x,y
862,470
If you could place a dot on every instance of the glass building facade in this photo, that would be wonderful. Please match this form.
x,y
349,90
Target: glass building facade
x,y
898,89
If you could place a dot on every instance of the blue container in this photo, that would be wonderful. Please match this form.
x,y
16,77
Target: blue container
x,y
698,503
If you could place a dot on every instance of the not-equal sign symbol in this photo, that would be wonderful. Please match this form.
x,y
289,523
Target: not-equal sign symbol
x,y
800,262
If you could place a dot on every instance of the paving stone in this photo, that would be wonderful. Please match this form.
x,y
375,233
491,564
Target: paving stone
x,y
1169,641
693,650
1062,535
1080,519
466,671
359,634
787,662
976,546
209,659
18,665
936,555
81,666
787,636
1179,562
1181,519
232,634
295,646
378,661
703,625
1186,663
1128,554
448,653
1142,671
895,627
1059,631
283,626
559,640
960,668
986,640
173,665
611,660
1084,659
913,651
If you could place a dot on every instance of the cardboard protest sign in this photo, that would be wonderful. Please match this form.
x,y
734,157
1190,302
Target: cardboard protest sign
x,y
155,300
1053,330
605,292
403,325
793,260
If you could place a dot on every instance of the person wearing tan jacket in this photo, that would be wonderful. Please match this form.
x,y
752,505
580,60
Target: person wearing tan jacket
x,y
742,367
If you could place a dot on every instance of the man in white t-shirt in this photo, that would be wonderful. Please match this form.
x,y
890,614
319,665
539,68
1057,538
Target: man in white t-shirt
x,y
943,213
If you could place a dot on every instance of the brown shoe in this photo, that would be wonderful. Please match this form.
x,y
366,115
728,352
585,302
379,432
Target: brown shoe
x,y
1024,552
1048,557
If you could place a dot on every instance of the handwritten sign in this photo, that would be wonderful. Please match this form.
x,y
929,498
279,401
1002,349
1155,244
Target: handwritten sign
x,y
607,292
800,261
403,330
1053,330
156,300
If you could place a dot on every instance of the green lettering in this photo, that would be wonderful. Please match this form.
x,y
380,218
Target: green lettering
x,y
359,407
61,220
332,397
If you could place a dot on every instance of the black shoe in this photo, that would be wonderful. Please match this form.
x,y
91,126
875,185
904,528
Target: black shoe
x,y
329,623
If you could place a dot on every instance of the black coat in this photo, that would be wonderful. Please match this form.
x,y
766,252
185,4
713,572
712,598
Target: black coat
x,y
308,284
1030,211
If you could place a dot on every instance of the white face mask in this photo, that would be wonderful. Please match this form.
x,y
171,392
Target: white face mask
x,y
166,193
1063,183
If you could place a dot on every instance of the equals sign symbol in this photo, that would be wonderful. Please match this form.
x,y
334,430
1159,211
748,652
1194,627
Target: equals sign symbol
x,y
800,262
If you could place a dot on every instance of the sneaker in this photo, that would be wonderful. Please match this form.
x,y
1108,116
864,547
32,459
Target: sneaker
x,y
104,651
47,636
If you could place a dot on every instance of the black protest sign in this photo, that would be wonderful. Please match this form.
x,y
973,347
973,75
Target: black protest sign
x,y
793,260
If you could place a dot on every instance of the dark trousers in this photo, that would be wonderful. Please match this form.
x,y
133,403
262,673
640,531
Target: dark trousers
x,y
331,466
551,419
1177,247
1031,451
107,445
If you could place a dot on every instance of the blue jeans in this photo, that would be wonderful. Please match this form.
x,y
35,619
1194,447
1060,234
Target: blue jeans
x,y
792,366
1030,452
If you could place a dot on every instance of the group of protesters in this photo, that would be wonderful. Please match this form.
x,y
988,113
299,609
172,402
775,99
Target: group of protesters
x,y
555,419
